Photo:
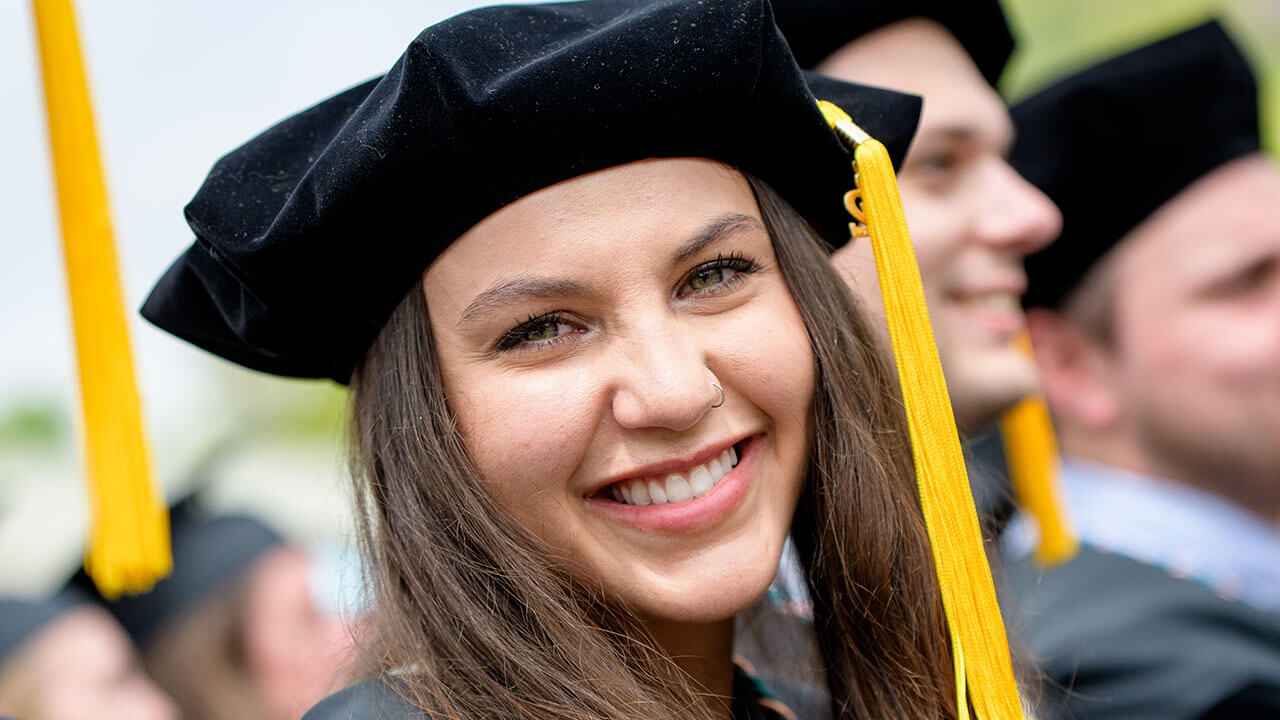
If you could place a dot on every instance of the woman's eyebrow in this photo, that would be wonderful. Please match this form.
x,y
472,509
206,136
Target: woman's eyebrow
x,y
519,289
535,287
713,231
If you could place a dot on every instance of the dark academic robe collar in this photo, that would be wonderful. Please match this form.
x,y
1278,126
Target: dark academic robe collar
x,y
374,699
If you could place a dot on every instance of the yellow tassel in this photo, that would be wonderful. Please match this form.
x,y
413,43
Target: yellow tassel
x,y
129,534
984,673
1032,456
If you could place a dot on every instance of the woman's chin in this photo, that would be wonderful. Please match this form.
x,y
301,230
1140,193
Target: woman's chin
x,y
708,597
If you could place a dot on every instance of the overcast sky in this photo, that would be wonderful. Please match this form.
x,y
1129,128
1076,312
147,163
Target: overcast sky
x,y
174,85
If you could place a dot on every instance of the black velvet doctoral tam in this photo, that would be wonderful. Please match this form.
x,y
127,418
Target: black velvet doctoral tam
x,y
309,235
817,28
1113,143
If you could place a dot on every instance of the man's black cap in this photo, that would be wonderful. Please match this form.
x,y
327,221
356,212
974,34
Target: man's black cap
x,y
1113,143
817,28
309,235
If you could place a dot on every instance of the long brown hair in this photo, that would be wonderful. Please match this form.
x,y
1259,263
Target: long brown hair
x,y
476,618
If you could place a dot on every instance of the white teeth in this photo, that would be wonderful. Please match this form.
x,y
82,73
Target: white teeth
x,y
657,493
999,302
700,481
676,487
639,493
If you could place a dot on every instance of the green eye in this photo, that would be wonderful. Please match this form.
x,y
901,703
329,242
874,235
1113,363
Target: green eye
x,y
707,278
542,331
538,332
718,275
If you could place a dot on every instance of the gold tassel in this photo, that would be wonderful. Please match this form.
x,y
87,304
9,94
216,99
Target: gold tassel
x,y
984,672
129,533
1032,457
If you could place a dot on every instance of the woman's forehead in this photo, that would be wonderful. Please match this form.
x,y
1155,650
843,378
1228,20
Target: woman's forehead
x,y
632,209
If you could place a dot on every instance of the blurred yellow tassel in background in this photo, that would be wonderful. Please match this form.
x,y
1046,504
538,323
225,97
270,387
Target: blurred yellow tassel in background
x,y
129,532
1032,456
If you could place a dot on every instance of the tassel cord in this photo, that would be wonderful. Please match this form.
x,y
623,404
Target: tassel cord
x,y
980,645
129,535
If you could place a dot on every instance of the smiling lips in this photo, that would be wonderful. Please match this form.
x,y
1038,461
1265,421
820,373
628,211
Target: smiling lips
x,y
674,487
997,310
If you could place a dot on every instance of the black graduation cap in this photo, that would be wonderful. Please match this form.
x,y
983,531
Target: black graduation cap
x,y
309,235
21,618
1113,143
210,553
817,28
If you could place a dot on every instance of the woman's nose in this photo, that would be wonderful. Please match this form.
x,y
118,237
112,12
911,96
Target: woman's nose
x,y
663,381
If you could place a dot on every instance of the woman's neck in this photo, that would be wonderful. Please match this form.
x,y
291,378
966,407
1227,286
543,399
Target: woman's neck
x,y
705,651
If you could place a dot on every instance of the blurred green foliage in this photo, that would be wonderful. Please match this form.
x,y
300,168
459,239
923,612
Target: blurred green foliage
x,y
34,422
1058,37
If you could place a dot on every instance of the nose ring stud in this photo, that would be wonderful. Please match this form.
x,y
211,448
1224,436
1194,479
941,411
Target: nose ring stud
x,y
716,405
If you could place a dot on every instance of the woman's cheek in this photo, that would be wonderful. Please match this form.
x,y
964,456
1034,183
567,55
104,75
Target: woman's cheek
x,y
772,362
528,432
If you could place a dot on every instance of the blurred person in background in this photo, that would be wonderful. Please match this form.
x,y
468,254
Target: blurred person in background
x,y
972,217
243,629
1155,321
65,658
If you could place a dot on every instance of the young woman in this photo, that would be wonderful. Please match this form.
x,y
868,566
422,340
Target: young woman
x,y
600,363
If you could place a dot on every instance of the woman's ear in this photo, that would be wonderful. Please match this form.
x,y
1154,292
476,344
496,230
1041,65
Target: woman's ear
x,y
1075,369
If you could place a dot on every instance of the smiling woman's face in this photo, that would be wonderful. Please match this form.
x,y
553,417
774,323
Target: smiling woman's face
x,y
580,331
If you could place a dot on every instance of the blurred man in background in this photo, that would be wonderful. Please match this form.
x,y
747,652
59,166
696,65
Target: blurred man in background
x,y
1156,325
972,217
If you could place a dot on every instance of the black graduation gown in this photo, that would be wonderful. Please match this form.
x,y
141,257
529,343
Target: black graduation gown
x,y
1121,640
375,700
